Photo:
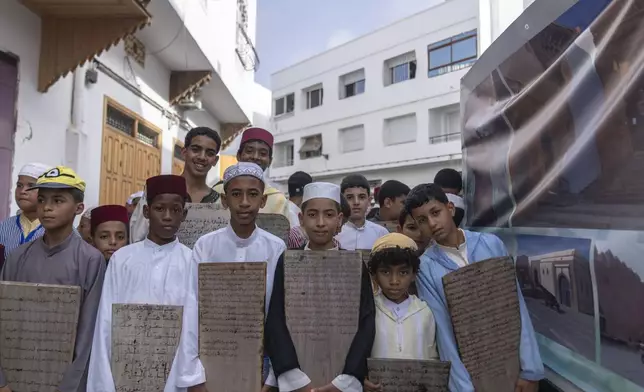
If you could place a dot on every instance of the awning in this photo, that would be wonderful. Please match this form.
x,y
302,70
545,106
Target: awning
x,y
75,31
312,144
185,83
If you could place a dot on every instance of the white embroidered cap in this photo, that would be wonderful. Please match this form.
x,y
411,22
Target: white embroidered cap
x,y
88,213
133,196
34,169
243,169
321,190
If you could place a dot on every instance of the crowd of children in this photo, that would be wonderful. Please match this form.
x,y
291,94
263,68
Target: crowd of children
x,y
42,246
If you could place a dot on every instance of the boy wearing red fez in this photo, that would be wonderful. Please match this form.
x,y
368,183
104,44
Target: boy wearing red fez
x,y
109,229
257,147
154,271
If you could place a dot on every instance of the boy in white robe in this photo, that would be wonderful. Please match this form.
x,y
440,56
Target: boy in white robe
x,y
240,241
154,271
405,326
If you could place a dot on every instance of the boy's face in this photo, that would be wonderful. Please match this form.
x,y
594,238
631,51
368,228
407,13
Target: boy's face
x,y
411,230
321,220
57,208
393,207
435,220
394,281
256,152
244,196
358,199
27,200
200,156
110,237
85,229
166,212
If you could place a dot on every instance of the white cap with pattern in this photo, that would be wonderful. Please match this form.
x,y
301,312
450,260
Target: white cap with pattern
x,y
243,169
321,190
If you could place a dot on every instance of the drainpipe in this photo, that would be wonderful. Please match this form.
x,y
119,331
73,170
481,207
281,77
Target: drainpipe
x,y
76,136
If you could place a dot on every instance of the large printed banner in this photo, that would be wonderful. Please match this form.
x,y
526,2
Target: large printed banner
x,y
553,139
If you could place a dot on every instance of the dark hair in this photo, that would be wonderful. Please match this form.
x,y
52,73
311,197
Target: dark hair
x,y
296,183
390,257
346,208
390,190
202,131
355,181
449,178
403,217
77,194
338,208
422,194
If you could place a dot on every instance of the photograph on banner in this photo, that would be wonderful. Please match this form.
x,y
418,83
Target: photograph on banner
x,y
619,271
554,274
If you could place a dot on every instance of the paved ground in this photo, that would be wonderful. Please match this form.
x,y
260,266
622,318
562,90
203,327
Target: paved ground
x,y
571,329
624,361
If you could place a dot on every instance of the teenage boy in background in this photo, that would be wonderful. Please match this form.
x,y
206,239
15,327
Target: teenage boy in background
x,y
296,183
23,227
391,199
408,226
358,233
85,225
109,229
200,153
256,146
321,215
455,248
451,182
154,271
240,241
61,257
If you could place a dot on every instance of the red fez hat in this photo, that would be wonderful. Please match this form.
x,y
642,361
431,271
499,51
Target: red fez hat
x,y
108,213
257,134
167,183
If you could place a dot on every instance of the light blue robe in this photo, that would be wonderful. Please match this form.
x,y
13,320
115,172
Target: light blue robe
x,y
434,264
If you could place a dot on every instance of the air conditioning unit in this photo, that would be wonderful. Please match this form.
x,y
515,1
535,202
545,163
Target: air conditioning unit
x,y
190,103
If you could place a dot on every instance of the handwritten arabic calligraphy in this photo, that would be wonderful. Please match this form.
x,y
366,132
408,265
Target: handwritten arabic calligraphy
x,y
322,295
144,343
403,375
37,333
484,307
231,324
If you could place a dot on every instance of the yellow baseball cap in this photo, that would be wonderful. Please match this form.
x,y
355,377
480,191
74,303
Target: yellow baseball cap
x,y
60,177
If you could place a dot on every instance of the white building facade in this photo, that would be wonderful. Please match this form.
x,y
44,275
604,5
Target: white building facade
x,y
111,89
385,105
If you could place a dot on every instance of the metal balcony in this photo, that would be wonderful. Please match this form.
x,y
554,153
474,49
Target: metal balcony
x,y
246,50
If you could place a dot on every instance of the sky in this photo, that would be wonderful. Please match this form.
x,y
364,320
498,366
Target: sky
x,y
289,31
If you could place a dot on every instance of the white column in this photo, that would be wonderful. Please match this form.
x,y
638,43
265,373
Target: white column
x,y
495,16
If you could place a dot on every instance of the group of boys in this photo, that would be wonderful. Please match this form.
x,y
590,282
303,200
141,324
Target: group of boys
x,y
157,269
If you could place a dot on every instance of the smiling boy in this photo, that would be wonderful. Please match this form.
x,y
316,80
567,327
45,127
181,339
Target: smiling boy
x,y
154,271
61,257
358,233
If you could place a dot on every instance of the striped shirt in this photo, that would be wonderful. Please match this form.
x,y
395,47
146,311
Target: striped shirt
x,y
12,236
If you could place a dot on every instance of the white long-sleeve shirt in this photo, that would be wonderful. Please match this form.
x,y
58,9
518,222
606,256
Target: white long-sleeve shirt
x,y
224,245
359,238
141,273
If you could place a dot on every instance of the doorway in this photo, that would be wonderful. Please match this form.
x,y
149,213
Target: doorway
x,y
8,95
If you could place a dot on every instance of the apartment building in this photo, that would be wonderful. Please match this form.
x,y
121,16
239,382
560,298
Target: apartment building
x,y
385,104
110,88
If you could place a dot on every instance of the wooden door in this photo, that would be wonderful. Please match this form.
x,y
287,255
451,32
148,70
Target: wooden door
x,y
131,154
177,161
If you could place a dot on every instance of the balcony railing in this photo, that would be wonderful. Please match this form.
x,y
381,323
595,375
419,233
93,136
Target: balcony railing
x,y
450,137
246,50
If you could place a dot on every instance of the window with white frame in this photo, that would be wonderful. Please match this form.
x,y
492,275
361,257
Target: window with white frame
x,y
452,54
284,105
352,84
351,138
311,147
284,154
444,124
399,130
400,68
314,96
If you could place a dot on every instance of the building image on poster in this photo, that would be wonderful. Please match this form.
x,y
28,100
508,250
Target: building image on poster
x,y
553,152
